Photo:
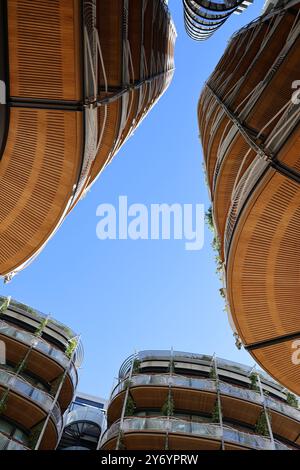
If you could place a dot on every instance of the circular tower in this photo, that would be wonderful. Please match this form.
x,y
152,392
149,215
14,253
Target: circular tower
x,y
38,376
177,400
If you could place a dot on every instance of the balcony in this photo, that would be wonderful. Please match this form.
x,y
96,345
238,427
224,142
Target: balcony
x,y
22,387
199,395
139,432
262,257
202,362
40,345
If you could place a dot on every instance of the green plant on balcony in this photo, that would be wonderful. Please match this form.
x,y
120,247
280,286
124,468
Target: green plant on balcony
x,y
136,366
72,345
254,382
168,407
121,442
209,219
127,383
212,373
3,402
215,416
130,406
39,331
4,306
34,435
21,365
291,400
261,426
222,293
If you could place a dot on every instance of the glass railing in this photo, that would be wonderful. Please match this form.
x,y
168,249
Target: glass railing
x,y
37,315
191,358
76,448
40,345
179,426
52,324
205,385
43,399
7,443
283,408
88,415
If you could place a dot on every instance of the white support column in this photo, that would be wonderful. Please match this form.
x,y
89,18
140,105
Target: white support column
x,y
215,365
56,396
125,403
263,398
169,398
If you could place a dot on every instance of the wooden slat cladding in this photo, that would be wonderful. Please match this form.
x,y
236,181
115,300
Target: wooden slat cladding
x,y
234,81
110,27
263,270
277,360
37,173
44,49
132,52
49,156
253,166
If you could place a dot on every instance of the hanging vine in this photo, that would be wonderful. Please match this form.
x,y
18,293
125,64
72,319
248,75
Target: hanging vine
x,y
254,382
72,345
4,305
212,373
261,426
291,400
130,406
215,416
3,402
136,366
39,331
168,407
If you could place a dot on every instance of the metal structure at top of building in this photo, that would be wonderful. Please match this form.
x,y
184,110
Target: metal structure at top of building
x,y
202,18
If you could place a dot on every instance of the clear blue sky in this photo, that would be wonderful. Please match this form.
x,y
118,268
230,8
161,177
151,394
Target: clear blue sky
x,y
127,295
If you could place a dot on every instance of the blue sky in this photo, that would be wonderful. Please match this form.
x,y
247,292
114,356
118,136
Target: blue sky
x,y
126,295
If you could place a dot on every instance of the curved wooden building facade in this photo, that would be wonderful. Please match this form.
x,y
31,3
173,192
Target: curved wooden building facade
x,y
181,401
76,78
249,118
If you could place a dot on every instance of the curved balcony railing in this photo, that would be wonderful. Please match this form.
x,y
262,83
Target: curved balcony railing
x,y
75,448
8,443
206,385
34,313
190,358
43,399
201,430
42,346
53,324
88,415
